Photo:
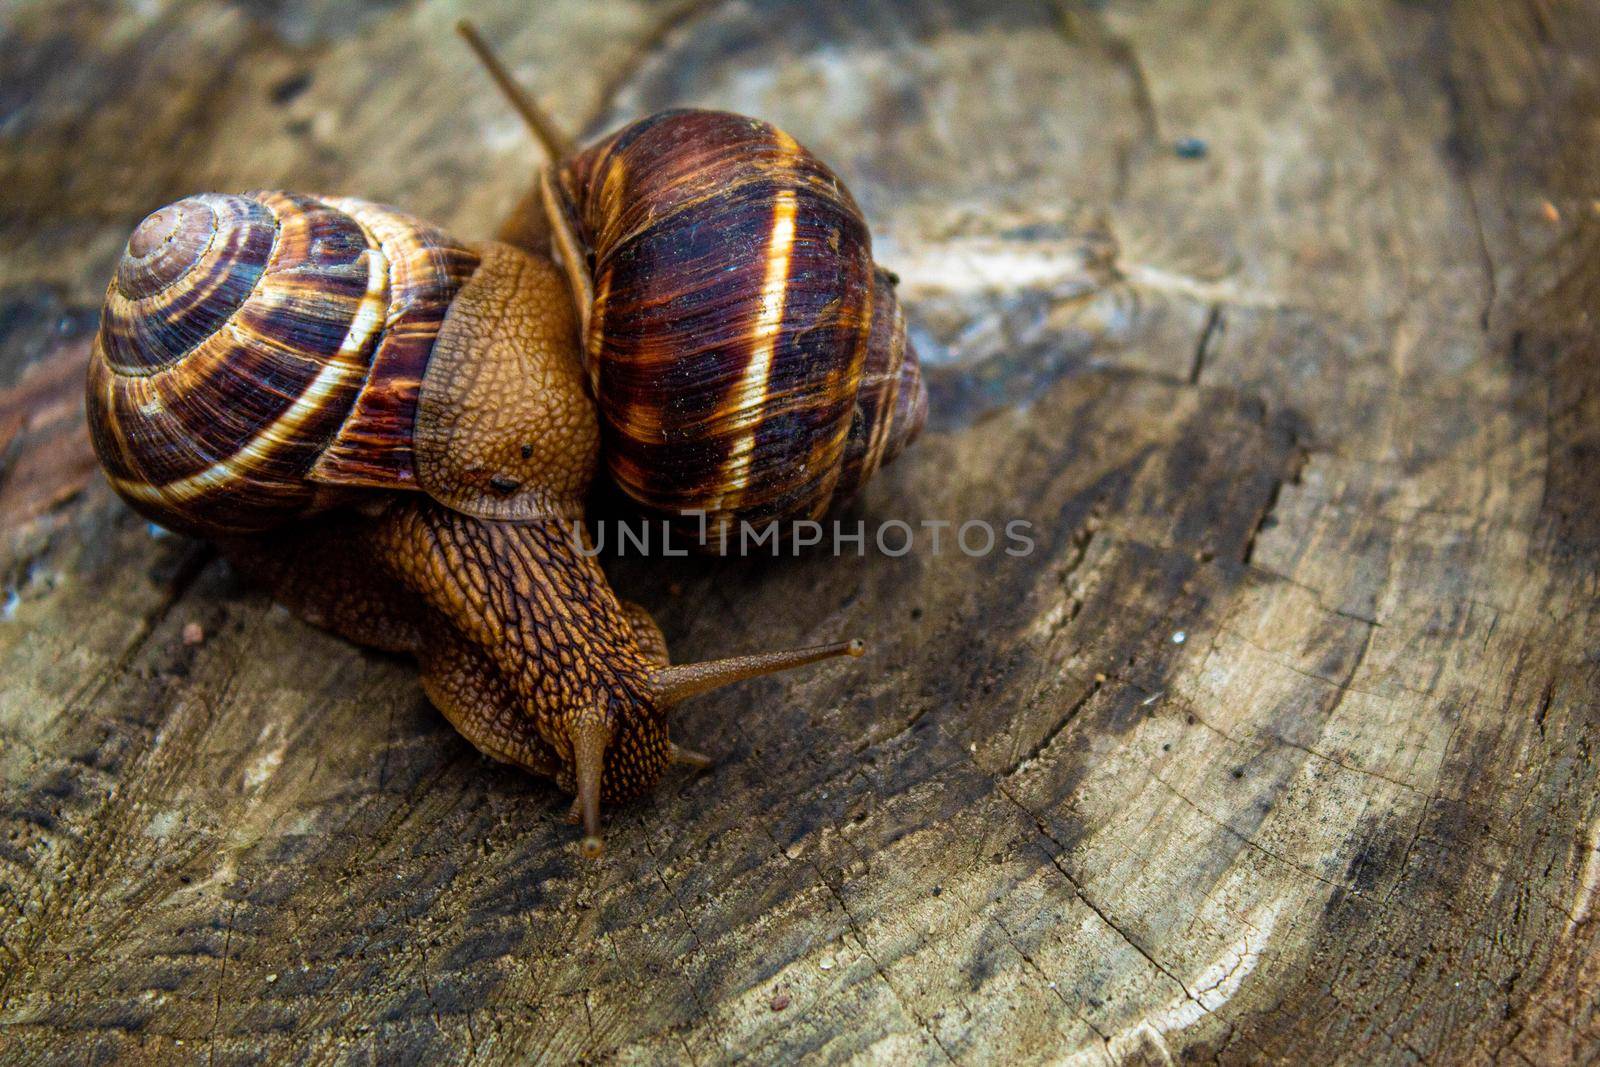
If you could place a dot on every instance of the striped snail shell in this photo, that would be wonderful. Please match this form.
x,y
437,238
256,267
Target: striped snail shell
x,y
264,356
748,359
229,384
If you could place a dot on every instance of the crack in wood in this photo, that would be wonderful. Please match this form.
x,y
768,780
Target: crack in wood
x,y
1054,854
1071,713
1297,464
1192,711
1212,329
694,935
850,921
1053,987
1076,20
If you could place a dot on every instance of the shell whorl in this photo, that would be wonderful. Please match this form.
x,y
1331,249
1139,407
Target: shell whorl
x,y
891,401
748,360
258,352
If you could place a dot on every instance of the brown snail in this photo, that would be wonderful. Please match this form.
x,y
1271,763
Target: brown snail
x,y
396,430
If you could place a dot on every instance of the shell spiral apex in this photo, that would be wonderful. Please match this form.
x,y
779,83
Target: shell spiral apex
x,y
186,270
165,247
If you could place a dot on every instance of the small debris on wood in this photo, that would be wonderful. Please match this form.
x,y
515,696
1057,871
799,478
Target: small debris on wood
x,y
780,1000
287,89
1190,148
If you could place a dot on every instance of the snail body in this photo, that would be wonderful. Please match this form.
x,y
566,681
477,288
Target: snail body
x,y
395,430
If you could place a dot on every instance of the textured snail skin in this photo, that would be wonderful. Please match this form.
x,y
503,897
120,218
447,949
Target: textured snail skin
x,y
504,429
519,638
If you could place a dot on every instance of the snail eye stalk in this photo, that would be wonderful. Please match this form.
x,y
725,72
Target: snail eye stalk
x,y
545,130
589,741
669,685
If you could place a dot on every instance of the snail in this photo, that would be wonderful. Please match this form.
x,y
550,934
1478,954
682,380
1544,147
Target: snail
x,y
395,430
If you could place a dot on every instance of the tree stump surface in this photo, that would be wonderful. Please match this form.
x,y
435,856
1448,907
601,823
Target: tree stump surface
x,y
1279,746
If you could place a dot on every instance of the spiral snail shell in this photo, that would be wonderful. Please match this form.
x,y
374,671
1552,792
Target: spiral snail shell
x,y
262,357
748,358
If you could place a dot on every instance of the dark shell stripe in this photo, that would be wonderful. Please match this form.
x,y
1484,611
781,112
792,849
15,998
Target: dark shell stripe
x,y
815,371
745,365
426,269
877,400
221,438
240,384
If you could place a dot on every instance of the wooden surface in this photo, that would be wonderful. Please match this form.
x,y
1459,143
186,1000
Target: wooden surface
x,y
1281,746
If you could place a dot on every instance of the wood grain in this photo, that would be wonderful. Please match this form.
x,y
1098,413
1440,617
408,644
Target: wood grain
x,y
1280,746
